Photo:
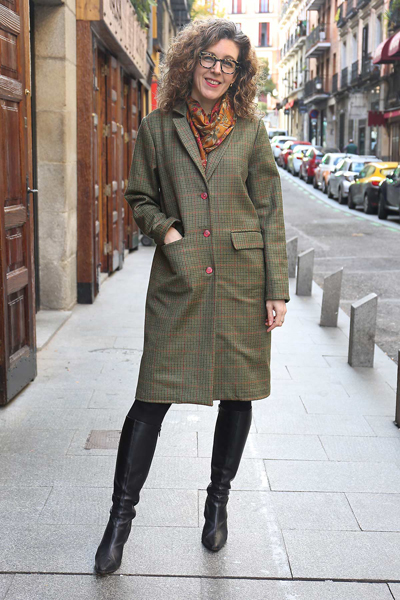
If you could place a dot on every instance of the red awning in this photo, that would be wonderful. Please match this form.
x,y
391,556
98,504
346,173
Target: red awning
x,y
391,114
381,54
394,46
291,102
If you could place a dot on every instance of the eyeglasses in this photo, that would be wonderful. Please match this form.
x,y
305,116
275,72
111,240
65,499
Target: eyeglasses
x,y
228,65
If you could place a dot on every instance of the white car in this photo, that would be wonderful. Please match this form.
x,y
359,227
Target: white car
x,y
340,180
277,144
326,166
274,131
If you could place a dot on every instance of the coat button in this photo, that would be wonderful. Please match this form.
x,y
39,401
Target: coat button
x,y
204,195
209,270
206,233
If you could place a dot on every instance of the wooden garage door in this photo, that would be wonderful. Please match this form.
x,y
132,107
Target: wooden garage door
x,y
17,311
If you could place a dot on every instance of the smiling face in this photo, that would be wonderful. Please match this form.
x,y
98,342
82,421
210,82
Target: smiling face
x,y
211,84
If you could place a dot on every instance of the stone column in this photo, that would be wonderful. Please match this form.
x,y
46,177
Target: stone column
x,y
55,60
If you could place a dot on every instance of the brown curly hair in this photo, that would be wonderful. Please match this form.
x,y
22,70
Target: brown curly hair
x,y
182,56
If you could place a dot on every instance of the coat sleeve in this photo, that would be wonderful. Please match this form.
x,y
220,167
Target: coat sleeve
x,y
264,186
143,190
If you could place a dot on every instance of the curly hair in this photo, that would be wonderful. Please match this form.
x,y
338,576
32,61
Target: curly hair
x,y
181,59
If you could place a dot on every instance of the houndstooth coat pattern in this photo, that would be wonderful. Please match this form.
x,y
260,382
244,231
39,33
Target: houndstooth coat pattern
x,y
205,336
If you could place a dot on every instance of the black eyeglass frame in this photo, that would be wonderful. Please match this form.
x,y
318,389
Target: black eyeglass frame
x,y
204,53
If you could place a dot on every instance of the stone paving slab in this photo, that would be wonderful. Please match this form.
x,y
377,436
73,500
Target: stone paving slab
x,y
361,449
5,584
376,512
90,506
344,554
272,445
328,476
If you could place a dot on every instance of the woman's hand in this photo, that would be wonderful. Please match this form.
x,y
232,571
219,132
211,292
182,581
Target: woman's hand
x,y
279,306
172,235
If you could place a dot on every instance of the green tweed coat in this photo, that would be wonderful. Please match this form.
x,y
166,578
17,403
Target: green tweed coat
x,y
205,335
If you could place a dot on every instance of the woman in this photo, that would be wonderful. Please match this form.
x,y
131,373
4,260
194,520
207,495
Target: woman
x,y
203,184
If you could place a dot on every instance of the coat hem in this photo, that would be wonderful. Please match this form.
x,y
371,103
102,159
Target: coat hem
x,y
201,403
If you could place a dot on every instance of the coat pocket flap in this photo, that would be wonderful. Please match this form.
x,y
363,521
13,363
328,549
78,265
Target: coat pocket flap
x,y
247,239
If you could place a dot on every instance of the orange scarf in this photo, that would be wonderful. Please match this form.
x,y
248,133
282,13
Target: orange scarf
x,y
210,133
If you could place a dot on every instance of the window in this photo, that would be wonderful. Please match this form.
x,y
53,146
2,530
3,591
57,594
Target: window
x,y
326,159
263,6
263,35
365,40
356,167
378,30
238,6
238,26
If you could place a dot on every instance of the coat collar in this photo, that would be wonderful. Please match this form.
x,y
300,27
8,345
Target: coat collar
x,y
188,140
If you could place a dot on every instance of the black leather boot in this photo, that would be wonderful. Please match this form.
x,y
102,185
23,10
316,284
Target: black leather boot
x,y
135,453
231,431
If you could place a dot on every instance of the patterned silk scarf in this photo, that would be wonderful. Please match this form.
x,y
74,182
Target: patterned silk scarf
x,y
210,132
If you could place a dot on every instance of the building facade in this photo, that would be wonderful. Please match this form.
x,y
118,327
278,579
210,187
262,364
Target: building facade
x,y
258,19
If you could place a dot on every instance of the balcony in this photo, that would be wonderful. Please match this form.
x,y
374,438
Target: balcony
x,y
347,10
343,79
315,4
295,41
315,90
287,10
368,69
316,42
354,72
334,83
362,3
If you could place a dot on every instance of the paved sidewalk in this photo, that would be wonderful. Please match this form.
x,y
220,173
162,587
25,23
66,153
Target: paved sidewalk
x,y
314,511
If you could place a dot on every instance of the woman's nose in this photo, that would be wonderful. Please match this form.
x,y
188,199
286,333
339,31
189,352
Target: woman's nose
x,y
217,67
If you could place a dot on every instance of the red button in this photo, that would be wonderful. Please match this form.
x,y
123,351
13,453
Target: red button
x,y
206,233
209,270
204,195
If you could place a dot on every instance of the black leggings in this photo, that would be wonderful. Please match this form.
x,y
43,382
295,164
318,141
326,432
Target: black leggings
x,y
154,412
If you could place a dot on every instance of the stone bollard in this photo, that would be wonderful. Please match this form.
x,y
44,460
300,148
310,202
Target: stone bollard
x,y
362,331
291,248
305,268
397,421
331,299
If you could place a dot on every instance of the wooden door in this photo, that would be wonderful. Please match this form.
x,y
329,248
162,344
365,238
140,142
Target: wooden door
x,y
113,182
131,113
17,301
101,159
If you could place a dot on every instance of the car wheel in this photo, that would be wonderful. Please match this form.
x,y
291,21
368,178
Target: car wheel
x,y
341,198
382,210
368,208
295,173
315,184
350,203
324,188
329,191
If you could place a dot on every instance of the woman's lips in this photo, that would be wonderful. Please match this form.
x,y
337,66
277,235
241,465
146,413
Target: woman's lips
x,y
213,85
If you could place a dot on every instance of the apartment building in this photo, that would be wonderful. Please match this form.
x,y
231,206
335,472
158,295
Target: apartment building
x,y
258,19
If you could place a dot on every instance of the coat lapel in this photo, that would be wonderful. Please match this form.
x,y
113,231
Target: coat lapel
x,y
215,155
186,136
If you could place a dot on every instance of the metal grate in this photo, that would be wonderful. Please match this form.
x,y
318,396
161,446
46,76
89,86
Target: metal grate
x,y
103,439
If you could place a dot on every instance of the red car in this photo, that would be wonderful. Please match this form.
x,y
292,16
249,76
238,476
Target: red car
x,y
311,160
288,149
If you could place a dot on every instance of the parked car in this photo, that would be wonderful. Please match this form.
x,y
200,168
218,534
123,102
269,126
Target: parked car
x,y
325,168
311,160
296,158
365,187
272,132
389,195
277,143
340,179
287,150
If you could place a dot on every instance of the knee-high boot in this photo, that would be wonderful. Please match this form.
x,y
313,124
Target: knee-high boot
x,y
135,453
231,431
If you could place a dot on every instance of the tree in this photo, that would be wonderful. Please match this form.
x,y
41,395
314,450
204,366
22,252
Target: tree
x,y
265,83
143,9
205,8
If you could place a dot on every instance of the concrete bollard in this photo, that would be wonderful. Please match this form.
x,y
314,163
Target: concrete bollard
x,y
291,248
331,299
397,421
305,269
362,331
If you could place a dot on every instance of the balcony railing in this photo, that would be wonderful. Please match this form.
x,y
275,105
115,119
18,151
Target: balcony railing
x,y
362,3
343,79
347,10
317,35
300,32
368,69
315,87
354,72
334,83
